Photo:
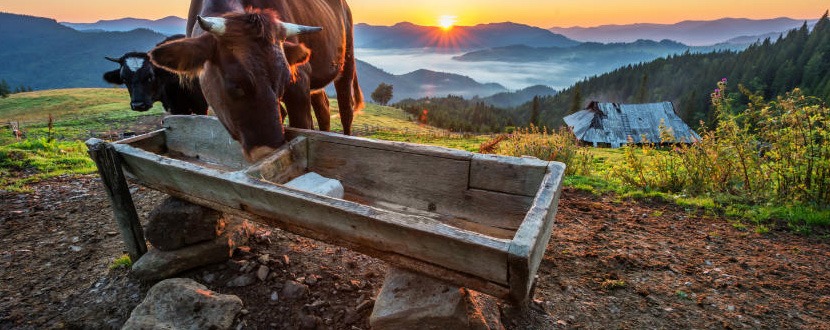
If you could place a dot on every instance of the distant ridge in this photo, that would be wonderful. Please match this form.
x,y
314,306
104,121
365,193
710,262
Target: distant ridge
x,y
421,83
43,54
694,33
408,35
513,99
169,25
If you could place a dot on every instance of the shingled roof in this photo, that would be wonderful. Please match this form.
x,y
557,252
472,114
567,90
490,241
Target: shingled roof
x,y
613,124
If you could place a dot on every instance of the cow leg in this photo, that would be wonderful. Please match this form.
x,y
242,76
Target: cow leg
x,y
343,85
298,103
320,104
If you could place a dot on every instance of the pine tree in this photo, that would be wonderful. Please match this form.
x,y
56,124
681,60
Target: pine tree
x,y
534,111
576,102
642,93
4,89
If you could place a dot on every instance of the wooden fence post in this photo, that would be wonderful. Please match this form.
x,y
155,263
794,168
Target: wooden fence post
x,y
109,167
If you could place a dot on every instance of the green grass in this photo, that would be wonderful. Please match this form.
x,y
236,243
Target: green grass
x,y
45,152
122,262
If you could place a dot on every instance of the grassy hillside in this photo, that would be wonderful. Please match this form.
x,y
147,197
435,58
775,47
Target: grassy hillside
x,y
79,114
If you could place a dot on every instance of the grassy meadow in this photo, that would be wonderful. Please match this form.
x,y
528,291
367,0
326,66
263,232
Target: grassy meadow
x,y
49,148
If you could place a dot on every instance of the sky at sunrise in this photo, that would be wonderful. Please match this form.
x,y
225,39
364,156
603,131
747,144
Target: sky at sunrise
x,y
542,13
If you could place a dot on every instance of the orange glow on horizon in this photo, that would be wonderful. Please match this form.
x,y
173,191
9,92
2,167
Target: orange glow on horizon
x,y
541,13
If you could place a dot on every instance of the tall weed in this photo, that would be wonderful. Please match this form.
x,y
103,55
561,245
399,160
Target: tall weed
x,y
772,152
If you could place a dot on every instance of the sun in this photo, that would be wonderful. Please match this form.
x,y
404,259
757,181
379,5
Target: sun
x,y
446,22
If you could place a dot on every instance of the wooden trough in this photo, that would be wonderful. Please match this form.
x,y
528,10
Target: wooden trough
x,y
477,221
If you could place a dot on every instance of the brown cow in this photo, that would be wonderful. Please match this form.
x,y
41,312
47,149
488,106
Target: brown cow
x,y
248,59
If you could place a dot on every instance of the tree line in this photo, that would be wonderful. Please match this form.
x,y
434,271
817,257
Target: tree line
x,y
5,90
457,114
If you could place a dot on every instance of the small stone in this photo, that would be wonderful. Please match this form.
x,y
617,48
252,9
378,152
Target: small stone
x,y
243,266
286,260
310,322
357,284
209,277
241,281
311,280
75,248
76,239
293,290
264,259
112,233
730,308
275,296
262,273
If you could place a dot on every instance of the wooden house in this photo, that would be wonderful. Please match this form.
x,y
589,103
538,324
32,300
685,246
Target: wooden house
x,y
612,124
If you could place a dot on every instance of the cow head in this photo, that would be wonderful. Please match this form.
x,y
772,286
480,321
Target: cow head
x,y
137,73
244,65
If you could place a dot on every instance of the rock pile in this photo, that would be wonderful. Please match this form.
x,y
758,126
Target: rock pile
x,y
186,236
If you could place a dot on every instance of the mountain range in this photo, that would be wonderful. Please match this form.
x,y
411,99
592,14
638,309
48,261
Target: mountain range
x,y
612,53
695,33
407,35
169,25
43,54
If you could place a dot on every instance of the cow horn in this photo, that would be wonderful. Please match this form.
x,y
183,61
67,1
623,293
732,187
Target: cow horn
x,y
215,25
112,59
295,29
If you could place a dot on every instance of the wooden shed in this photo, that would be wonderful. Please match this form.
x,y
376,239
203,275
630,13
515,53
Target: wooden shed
x,y
611,124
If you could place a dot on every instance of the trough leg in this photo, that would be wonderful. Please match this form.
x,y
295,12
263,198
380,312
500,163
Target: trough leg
x,y
115,183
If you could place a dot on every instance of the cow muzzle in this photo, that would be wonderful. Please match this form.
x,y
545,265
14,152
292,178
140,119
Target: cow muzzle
x,y
140,106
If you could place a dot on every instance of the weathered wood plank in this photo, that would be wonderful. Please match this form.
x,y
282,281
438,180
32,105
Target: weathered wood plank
x,y
287,163
462,223
155,142
419,181
115,183
512,175
204,138
414,237
528,246
401,147
422,182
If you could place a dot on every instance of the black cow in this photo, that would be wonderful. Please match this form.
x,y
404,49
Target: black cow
x,y
148,83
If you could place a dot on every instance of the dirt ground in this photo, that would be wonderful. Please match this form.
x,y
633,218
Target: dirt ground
x,y
610,264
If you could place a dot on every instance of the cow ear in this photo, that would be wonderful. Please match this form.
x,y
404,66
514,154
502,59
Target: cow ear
x,y
113,77
184,56
296,54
